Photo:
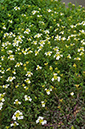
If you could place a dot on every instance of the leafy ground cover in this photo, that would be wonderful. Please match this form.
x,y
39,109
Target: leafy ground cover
x,y
42,65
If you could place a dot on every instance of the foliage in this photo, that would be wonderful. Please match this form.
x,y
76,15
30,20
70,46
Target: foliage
x,y
42,65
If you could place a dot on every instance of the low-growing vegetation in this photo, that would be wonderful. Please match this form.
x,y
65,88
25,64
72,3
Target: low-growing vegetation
x,y
42,65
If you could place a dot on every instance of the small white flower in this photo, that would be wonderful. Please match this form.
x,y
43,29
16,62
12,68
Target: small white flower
x,y
4,27
34,42
38,67
40,120
10,79
29,74
28,81
52,79
36,52
77,58
48,53
14,124
34,12
61,14
72,93
11,57
5,86
6,34
2,57
58,79
9,51
48,90
43,103
39,15
56,49
37,35
17,8
10,21
27,31
17,115
1,105
72,26
63,38
46,31
49,10
58,57
18,64
17,102
69,56
27,98
2,99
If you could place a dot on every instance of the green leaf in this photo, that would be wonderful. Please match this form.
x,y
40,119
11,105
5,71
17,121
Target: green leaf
x,y
1,1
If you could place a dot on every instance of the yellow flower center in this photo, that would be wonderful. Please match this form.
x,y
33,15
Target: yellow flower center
x,y
55,77
17,114
16,102
40,121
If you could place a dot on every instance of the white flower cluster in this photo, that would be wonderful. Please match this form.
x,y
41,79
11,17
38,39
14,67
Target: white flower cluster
x,y
48,91
5,44
78,24
55,77
1,100
10,35
17,40
81,50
